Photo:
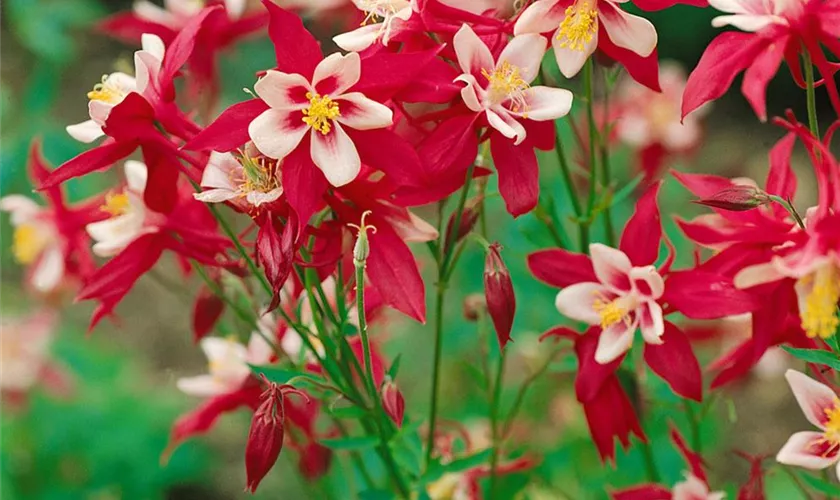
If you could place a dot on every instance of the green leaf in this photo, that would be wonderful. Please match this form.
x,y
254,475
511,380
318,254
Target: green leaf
x,y
817,356
395,367
351,443
347,412
376,495
276,374
437,470
813,482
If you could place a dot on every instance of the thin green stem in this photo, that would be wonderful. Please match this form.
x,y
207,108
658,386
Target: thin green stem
x,y
494,422
650,462
523,389
694,424
790,208
565,171
589,87
363,333
606,174
810,93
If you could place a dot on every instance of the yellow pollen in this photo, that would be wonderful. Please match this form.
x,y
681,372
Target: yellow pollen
x,y
106,93
27,243
579,26
258,176
611,312
320,111
832,426
819,314
506,83
116,204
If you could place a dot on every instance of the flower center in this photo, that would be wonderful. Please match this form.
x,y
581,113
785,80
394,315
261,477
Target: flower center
x,y
819,314
579,26
116,204
320,111
506,83
106,91
260,174
614,311
377,9
27,243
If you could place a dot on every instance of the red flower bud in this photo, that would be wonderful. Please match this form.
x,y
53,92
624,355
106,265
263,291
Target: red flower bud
x,y
265,438
276,253
393,402
498,292
736,198
468,219
207,310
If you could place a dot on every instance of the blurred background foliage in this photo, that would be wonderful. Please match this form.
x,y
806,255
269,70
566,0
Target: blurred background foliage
x,y
104,441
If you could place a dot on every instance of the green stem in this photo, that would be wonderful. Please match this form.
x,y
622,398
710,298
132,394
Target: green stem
x,y
494,422
694,424
589,86
650,462
798,482
360,306
252,266
523,389
606,174
565,171
790,208
810,94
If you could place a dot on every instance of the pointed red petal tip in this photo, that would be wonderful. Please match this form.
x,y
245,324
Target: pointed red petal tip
x,y
736,198
393,402
498,292
265,438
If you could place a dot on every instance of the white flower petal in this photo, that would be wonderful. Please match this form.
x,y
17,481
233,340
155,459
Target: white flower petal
x,y
337,73
804,449
359,39
136,174
283,91
540,17
277,133
546,103
473,55
361,113
570,61
336,155
627,30
502,120
86,131
612,266
49,269
614,341
576,301
201,386
813,397
524,52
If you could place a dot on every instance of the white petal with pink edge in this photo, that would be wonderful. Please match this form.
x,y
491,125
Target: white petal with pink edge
x,y
86,131
693,488
803,449
277,133
576,301
746,22
471,93
336,156
647,281
651,322
215,195
285,91
813,397
546,103
628,31
258,198
49,269
500,119
337,73
359,39
612,266
473,55
540,17
525,52
570,61
217,173
362,113
615,341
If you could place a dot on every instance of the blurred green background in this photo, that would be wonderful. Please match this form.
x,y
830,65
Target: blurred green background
x,y
104,440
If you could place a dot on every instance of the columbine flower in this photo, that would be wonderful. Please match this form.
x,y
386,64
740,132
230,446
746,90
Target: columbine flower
x,y
24,349
128,214
390,12
577,32
227,362
35,241
501,88
809,449
320,107
247,180
116,86
622,301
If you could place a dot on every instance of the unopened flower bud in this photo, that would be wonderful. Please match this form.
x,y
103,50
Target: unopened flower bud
x,y
736,198
207,310
265,438
466,224
474,305
393,402
498,292
361,249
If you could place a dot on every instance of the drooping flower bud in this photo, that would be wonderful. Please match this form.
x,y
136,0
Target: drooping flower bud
x,y
207,310
265,438
736,198
393,401
276,253
498,292
466,224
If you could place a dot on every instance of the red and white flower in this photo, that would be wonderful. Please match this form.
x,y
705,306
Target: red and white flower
x,y
227,363
624,299
36,241
320,108
747,15
175,14
116,86
128,214
694,488
575,27
501,87
250,180
819,403
391,13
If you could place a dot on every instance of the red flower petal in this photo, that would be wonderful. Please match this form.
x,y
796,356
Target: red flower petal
x,y
643,233
519,174
295,49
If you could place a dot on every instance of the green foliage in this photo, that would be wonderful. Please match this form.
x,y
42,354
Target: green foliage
x,y
817,356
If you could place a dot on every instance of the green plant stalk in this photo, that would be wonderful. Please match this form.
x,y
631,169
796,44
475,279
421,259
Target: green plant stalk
x,y
494,422
606,174
363,333
443,273
694,424
790,208
650,462
523,389
589,86
565,171
810,94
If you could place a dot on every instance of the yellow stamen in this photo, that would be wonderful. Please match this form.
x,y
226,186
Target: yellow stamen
x,y
819,313
579,26
116,204
27,243
832,426
260,175
506,83
613,311
320,111
106,92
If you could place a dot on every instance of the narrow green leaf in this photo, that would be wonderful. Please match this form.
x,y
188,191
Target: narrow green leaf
x,y
276,374
821,485
437,470
395,367
817,356
351,443
347,412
